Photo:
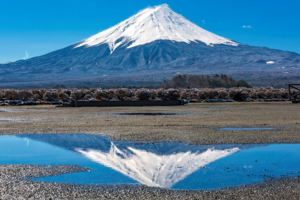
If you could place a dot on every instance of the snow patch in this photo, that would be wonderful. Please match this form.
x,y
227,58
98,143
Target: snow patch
x,y
271,62
155,170
152,24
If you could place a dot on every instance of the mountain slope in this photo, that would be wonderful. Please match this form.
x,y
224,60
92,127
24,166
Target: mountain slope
x,y
152,24
147,48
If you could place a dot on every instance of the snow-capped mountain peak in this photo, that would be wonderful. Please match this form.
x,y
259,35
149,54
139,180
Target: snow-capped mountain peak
x,y
153,24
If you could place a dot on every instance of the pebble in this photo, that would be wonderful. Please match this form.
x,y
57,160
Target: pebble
x,y
15,183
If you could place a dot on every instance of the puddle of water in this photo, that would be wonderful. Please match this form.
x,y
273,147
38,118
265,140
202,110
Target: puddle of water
x,y
219,108
165,165
148,114
246,129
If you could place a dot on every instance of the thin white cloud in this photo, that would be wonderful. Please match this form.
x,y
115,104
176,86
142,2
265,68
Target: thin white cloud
x,y
247,26
26,55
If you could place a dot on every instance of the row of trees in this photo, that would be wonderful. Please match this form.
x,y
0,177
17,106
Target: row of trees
x,y
64,95
204,81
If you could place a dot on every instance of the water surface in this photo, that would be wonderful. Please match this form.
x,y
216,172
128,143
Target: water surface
x,y
165,165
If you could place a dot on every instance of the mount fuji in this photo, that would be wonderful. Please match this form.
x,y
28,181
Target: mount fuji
x,y
144,50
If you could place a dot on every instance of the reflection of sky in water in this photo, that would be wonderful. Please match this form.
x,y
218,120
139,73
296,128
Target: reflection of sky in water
x,y
168,165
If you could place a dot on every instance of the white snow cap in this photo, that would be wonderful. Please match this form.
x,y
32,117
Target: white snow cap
x,y
271,62
152,24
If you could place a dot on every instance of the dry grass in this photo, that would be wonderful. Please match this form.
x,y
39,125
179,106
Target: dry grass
x,y
195,123
50,96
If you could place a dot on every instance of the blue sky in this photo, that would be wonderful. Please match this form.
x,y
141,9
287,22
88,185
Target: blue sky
x,y
33,27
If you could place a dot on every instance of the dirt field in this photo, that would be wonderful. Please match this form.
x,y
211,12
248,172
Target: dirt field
x,y
194,123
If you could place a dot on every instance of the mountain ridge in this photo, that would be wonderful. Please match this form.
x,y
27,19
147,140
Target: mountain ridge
x,y
152,24
139,61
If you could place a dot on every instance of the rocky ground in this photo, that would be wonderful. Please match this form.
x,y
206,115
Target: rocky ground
x,y
195,123
14,184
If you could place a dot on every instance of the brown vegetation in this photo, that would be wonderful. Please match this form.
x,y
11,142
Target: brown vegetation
x,y
42,96
204,81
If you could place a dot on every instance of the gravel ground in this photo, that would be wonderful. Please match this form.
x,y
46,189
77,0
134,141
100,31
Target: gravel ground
x,y
14,184
195,123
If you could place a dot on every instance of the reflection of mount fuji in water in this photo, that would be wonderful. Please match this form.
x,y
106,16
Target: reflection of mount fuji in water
x,y
156,164
152,169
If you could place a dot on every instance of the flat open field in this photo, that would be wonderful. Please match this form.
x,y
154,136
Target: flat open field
x,y
194,123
